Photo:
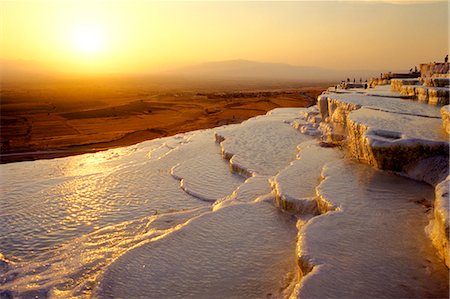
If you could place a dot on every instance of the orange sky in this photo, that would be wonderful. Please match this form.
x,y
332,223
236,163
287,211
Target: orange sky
x,y
146,36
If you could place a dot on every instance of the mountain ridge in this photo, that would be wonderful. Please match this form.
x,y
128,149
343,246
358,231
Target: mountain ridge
x,y
242,68
216,70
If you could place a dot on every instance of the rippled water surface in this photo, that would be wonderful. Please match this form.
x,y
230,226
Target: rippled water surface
x,y
188,217
47,202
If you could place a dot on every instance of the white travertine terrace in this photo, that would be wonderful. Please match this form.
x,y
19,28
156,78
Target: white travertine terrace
x,y
445,113
266,208
402,136
393,141
247,148
435,69
357,245
432,95
205,177
432,88
387,133
295,185
396,84
440,225
436,81
388,104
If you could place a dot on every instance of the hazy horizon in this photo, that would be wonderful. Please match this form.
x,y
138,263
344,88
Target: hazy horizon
x,y
97,37
11,70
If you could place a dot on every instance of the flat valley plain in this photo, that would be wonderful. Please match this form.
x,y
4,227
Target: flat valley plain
x,y
48,118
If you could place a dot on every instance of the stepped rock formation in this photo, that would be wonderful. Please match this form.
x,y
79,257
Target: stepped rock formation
x,y
445,113
345,199
434,69
397,135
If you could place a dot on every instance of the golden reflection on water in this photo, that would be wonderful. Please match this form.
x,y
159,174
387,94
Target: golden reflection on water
x,y
86,195
84,203
100,162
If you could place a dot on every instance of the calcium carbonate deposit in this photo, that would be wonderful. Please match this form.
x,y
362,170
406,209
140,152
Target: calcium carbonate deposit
x,y
346,199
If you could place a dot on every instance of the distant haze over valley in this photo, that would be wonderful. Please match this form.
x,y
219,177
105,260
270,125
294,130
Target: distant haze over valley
x,y
23,70
240,68
301,40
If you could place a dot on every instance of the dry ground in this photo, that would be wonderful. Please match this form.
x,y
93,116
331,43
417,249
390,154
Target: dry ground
x,y
49,122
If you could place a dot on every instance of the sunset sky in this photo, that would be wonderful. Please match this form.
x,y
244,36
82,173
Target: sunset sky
x,y
147,36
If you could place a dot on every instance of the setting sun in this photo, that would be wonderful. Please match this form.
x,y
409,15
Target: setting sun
x,y
88,39
152,36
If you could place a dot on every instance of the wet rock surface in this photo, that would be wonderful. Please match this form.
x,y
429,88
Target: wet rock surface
x,y
277,206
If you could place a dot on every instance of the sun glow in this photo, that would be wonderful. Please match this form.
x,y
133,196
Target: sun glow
x,y
88,39
143,36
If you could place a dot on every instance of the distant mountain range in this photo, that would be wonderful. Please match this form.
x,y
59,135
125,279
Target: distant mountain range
x,y
261,70
229,69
